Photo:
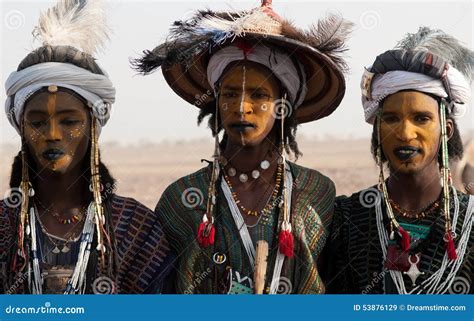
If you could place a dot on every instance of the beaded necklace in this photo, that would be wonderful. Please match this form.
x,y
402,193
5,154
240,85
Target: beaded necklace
x,y
270,204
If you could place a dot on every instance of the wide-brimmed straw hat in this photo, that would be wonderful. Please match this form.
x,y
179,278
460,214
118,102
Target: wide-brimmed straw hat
x,y
185,55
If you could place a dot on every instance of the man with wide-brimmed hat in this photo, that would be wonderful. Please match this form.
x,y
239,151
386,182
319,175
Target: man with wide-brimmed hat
x,y
257,77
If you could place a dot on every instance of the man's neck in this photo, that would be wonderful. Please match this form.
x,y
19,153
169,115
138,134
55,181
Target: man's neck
x,y
247,158
60,191
414,191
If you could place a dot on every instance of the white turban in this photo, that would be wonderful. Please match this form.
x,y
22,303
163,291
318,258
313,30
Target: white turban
x,y
97,89
279,63
383,85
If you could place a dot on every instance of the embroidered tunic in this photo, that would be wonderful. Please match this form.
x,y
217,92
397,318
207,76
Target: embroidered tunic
x,y
311,214
142,250
356,259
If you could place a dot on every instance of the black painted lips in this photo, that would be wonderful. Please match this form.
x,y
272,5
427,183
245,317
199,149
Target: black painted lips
x,y
406,152
53,154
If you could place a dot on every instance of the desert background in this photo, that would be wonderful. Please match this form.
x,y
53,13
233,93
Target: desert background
x,y
143,170
152,138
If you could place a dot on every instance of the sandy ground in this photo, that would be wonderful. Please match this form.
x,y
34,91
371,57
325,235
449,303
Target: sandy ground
x,y
144,171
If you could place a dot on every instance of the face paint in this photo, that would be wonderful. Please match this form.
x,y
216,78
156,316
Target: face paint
x,y
410,131
242,139
244,90
57,126
76,132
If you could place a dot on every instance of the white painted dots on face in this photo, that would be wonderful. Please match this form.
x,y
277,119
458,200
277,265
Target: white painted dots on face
x,y
242,139
77,132
264,107
34,136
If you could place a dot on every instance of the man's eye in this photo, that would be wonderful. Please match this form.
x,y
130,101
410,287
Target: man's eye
x,y
258,95
390,119
37,123
70,122
230,94
422,119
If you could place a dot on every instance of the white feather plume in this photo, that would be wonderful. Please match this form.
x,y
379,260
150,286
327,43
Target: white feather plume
x,y
231,25
77,23
254,21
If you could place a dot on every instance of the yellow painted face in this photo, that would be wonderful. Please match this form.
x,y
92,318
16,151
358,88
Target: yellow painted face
x,y
247,103
410,131
56,129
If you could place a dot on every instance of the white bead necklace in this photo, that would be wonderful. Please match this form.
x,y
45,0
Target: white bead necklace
x,y
244,177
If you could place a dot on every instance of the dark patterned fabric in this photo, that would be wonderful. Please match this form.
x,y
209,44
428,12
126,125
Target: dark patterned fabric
x,y
422,62
356,261
312,209
142,250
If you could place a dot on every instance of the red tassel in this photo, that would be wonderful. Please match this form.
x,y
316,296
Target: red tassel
x,y
203,238
450,248
405,239
286,243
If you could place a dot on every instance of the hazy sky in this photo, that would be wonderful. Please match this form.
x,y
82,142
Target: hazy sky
x,y
147,109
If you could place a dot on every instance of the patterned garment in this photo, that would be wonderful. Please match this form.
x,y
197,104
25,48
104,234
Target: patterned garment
x,y
180,214
143,252
356,264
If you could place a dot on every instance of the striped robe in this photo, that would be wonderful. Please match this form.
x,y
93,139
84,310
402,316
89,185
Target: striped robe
x,y
312,209
142,250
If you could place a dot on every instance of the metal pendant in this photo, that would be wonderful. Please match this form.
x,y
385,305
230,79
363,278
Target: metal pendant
x,y
392,235
219,258
414,272
65,249
232,172
56,250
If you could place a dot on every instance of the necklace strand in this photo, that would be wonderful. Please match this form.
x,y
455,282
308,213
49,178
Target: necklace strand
x,y
270,204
